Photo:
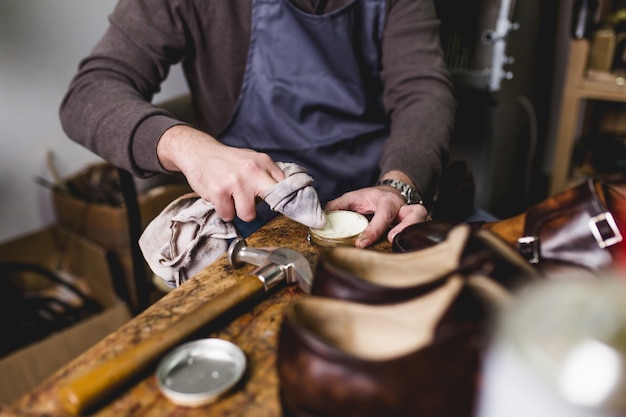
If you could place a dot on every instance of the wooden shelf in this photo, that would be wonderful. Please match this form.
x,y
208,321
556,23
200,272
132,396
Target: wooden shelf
x,y
579,85
603,86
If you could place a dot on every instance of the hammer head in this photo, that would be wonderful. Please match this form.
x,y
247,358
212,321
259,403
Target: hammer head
x,y
275,264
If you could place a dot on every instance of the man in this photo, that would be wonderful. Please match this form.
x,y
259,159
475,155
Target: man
x,y
355,91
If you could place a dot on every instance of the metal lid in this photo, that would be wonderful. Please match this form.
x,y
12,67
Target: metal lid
x,y
196,373
342,228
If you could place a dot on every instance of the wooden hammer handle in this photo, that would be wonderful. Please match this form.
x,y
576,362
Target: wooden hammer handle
x,y
94,386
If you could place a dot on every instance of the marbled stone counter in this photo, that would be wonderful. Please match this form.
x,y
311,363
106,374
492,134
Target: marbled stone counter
x,y
253,327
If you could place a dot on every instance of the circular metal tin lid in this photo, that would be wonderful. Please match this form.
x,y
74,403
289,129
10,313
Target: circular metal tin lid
x,y
197,372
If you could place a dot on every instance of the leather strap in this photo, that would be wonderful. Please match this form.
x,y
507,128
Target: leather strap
x,y
573,226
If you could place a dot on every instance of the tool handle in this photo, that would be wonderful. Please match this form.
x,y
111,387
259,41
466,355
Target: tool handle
x,y
94,386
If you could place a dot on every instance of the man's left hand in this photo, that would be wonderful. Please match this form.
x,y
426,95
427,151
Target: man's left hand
x,y
389,208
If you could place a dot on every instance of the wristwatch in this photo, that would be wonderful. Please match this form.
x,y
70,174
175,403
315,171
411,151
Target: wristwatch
x,y
410,195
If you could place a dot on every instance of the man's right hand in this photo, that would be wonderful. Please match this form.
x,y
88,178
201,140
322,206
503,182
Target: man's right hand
x,y
230,178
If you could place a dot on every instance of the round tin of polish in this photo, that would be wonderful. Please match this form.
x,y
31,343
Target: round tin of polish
x,y
198,372
342,228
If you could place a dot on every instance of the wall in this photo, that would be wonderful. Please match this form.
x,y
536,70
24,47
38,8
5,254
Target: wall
x,y
502,134
41,43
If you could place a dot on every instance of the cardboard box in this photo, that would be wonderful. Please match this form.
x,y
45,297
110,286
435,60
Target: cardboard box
x,y
52,247
107,225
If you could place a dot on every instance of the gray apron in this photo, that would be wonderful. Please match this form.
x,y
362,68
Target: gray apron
x,y
312,93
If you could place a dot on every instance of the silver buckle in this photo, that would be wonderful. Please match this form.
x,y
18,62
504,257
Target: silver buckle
x,y
528,246
608,219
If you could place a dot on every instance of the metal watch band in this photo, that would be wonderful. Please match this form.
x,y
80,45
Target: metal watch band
x,y
410,195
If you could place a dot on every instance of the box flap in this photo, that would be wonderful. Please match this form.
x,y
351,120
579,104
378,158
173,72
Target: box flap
x,y
25,369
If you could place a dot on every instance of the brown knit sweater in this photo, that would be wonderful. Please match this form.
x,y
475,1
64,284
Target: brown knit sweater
x,y
107,107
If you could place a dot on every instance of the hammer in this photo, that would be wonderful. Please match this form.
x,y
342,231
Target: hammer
x,y
275,265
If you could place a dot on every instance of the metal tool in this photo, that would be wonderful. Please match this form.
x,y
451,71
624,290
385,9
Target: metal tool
x,y
275,265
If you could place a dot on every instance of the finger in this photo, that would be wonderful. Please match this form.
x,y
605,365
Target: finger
x,y
353,200
224,207
379,223
263,185
261,181
276,173
407,216
263,163
245,208
340,203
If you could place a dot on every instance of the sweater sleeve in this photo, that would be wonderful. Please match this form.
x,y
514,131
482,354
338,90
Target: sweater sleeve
x,y
107,107
418,94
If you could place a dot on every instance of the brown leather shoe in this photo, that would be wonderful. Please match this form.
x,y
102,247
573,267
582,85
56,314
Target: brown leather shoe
x,y
421,357
388,334
572,229
423,235
373,277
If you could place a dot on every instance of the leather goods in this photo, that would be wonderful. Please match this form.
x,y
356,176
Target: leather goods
x,y
395,334
423,235
338,358
373,277
572,228
484,251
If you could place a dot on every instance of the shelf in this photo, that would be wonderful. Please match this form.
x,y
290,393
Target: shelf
x,y
579,85
603,86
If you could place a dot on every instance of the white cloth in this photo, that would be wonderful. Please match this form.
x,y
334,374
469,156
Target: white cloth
x,y
295,197
188,234
185,237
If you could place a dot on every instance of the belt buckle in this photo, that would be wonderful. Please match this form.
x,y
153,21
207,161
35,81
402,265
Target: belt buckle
x,y
607,219
528,246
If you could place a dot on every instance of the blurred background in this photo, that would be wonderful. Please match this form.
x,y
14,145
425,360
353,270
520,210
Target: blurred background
x,y
509,60
41,44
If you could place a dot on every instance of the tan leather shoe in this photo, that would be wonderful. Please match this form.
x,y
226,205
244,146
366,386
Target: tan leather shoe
x,y
372,277
421,357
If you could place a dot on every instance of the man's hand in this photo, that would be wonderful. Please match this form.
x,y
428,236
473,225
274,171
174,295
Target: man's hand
x,y
389,208
230,178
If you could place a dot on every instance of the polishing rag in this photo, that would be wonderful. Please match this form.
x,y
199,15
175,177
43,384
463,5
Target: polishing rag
x,y
188,234
295,197
184,238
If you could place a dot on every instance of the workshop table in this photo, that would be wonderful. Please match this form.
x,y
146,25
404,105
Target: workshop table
x,y
253,327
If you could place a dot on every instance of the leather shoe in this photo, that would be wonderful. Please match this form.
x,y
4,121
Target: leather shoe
x,y
388,334
421,357
373,277
572,229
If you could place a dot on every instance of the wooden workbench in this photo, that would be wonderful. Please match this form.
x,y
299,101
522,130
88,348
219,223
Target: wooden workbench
x,y
253,327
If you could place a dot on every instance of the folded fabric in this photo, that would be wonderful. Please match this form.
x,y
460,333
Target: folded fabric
x,y
184,238
188,234
295,197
